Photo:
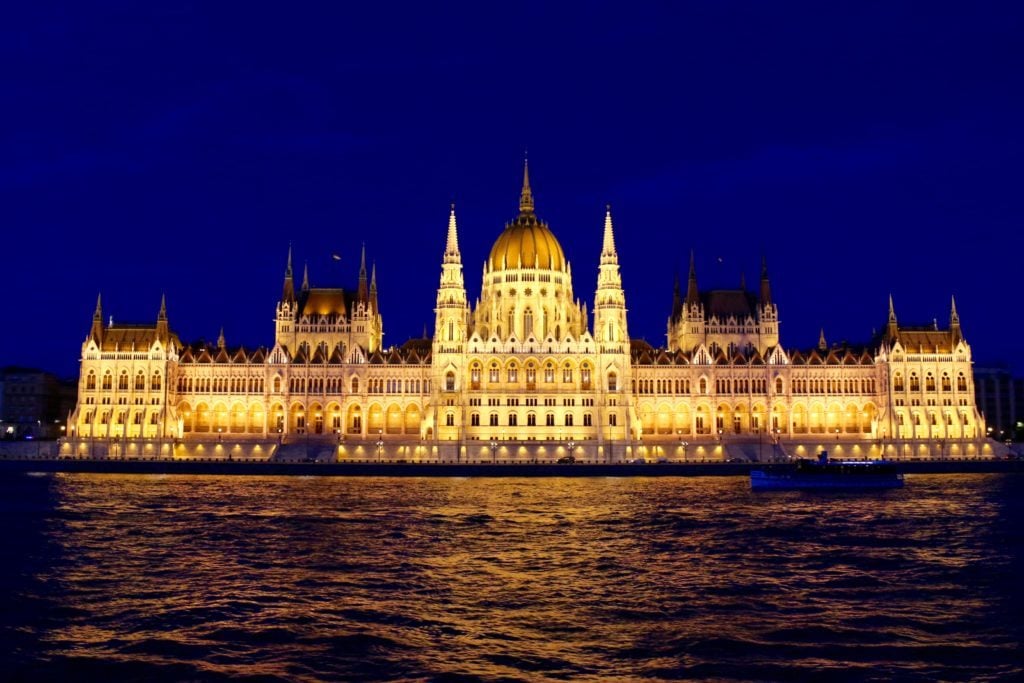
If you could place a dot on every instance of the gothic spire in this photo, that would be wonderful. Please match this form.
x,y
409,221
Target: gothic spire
x,y
373,287
692,295
96,332
221,343
892,328
608,253
822,344
161,320
288,291
451,249
766,286
362,294
526,197
954,321
305,277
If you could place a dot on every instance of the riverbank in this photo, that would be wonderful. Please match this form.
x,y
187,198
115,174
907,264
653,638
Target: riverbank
x,y
451,469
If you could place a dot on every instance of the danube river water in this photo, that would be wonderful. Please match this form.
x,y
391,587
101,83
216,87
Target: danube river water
x,y
246,578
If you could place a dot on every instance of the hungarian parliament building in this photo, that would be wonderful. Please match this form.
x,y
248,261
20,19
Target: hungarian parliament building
x,y
526,372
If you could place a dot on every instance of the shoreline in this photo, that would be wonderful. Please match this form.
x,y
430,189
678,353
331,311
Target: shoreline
x,y
452,469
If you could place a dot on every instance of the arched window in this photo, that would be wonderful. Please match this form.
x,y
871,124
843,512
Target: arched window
x,y
277,385
915,382
493,374
528,323
897,382
947,385
961,382
778,385
449,420
513,373
494,419
513,420
567,374
449,381
703,385
90,381
107,381
156,382
122,381
549,372
613,382
474,419
929,382
140,381
568,420
355,385
531,420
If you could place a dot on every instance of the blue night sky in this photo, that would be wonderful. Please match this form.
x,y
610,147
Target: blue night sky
x,y
865,150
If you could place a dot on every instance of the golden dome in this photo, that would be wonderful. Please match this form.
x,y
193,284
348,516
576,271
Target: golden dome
x,y
527,241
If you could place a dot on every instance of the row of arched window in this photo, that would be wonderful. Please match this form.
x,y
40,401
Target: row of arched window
x,y
123,383
898,383
220,385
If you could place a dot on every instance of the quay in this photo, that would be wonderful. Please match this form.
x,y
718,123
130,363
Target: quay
x,y
252,467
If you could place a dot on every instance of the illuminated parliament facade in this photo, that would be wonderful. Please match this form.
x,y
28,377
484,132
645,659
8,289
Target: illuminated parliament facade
x,y
525,372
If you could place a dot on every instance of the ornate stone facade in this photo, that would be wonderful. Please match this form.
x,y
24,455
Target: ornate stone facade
x,y
523,374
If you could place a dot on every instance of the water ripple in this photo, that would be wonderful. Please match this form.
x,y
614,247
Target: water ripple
x,y
268,579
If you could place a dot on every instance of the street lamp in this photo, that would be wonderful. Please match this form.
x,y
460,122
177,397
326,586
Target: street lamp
x,y
494,449
571,445
380,444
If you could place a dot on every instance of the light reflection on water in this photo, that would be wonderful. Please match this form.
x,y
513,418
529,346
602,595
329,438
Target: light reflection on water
x,y
326,578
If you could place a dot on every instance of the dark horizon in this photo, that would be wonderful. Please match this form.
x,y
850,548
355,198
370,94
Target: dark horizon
x,y
865,152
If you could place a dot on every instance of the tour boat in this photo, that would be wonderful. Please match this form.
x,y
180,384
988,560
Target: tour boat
x,y
827,474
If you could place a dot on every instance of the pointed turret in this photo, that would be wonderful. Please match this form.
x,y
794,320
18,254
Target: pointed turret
x,y
161,320
822,344
451,249
362,294
221,343
608,253
766,286
305,277
692,295
526,196
288,292
954,322
97,321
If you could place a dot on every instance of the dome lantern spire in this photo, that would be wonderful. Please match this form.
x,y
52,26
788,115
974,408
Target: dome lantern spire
x,y
526,196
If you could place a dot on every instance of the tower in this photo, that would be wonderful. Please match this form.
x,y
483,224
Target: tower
x,y
610,330
451,323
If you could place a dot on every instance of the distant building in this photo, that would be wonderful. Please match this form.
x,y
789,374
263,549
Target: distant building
x,y
527,371
34,403
1000,398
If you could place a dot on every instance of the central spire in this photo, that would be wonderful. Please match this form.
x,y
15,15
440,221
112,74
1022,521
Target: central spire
x,y
526,197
